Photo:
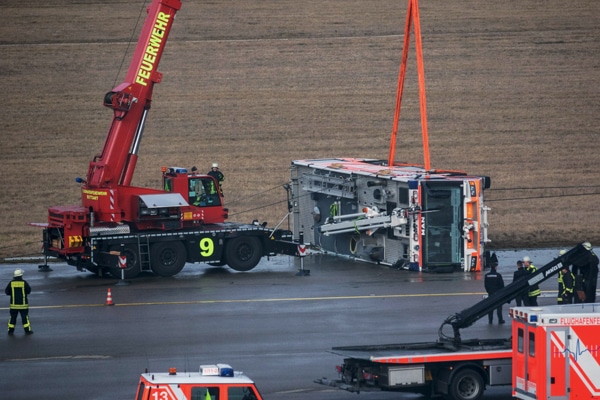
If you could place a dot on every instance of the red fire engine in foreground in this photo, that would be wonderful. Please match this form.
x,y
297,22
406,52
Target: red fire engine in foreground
x,y
211,382
156,229
554,352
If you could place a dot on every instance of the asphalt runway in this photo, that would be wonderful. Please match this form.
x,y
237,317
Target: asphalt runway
x,y
272,324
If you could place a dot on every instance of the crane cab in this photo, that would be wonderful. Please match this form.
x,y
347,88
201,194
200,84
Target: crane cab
x,y
201,192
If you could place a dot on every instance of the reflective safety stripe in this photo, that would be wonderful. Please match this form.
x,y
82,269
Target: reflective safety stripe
x,y
16,287
534,292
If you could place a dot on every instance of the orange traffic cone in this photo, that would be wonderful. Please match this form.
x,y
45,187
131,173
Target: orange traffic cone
x,y
109,301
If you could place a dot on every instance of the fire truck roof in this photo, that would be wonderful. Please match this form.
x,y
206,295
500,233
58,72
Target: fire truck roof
x,y
207,374
558,315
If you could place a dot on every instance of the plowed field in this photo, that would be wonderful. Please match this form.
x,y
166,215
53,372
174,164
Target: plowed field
x,y
513,92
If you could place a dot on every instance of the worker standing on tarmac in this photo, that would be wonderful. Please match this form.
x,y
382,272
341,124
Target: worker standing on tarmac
x,y
534,291
18,289
519,274
493,282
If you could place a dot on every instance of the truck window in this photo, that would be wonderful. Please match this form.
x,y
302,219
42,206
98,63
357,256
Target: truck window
x,y
141,388
443,223
168,184
531,344
520,340
205,393
241,393
202,192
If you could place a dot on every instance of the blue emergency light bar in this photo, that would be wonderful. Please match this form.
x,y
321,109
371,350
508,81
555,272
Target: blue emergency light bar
x,y
533,318
177,170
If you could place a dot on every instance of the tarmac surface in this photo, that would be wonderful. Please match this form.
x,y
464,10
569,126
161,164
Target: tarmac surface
x,y
273,324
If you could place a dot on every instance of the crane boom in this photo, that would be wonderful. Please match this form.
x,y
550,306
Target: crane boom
x,y
131,100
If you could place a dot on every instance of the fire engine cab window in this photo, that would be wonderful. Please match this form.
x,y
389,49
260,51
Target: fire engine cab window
x,y
203,193
241,393
168,186
531,344
141,391
520,340
443,224
205,393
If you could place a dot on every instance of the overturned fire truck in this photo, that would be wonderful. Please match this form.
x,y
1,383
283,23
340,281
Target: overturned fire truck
x,y
400,215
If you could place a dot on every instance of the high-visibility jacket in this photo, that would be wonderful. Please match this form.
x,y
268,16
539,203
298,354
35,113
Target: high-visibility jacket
x,y
18,289
535,289
566,284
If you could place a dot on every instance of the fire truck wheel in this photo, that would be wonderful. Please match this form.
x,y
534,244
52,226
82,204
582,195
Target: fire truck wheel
x,y
467,384
243,253
167,258
132,269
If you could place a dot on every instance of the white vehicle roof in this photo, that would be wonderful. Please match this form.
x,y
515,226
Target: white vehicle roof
x,y
219,374
559,315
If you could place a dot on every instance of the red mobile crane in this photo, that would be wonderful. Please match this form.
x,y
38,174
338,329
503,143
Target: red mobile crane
x,y
156,229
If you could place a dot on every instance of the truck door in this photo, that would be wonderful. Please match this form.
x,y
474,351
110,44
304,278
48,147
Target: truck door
x,y
557,366
525,362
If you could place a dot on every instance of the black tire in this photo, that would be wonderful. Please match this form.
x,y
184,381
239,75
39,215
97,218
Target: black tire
x,y
467,384
133,262
243,253
167,258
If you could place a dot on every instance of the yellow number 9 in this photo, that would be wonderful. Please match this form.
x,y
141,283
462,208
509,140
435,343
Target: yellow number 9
x,y
207,247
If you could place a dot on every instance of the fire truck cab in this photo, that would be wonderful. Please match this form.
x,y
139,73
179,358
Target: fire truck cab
x,y
556,352
211,382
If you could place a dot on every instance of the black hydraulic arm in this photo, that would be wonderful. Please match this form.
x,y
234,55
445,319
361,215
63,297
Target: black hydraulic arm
x,y
469,316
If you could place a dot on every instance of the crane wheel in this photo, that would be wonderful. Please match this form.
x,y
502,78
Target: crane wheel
x,y
167,258
243,253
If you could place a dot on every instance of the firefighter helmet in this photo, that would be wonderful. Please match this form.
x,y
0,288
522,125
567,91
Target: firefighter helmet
x,y
526,259
215,165
587,246
18,273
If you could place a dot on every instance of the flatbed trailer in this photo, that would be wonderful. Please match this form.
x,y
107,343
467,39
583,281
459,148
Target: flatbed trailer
x,y
428,368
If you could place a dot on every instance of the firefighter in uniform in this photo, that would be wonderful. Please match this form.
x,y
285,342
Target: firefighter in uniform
x,y
566,284
534,291
566,281
520,273
586,276
219,177
18,289
493,282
